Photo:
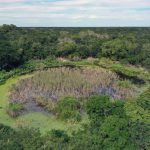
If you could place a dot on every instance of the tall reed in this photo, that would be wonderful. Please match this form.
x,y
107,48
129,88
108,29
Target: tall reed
x,y
49,86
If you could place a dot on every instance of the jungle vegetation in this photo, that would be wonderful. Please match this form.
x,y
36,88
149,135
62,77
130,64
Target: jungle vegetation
x,y
81,88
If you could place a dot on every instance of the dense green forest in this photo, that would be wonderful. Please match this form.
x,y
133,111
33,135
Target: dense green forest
x,y
74,88
128,45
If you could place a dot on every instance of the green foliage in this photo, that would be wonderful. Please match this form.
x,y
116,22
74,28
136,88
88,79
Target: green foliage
x,y
137,75
138,112
68,109
140,134
118,48
6,130
98,107
29,67
118,109
109,128
124,83
115,133
8,139
131,72
59,134
14,109
9,58
56,139
66,48
144,99
29,138
24,44
123,125
113,124
86,140
145,55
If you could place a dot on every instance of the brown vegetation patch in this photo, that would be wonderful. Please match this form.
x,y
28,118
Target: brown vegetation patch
x,y
46,87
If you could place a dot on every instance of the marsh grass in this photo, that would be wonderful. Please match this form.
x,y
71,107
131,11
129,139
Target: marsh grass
x,y
47,87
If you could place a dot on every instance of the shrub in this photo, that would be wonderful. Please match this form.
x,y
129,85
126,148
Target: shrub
x,y
30,138
59,134
56,139
115,133
144,99
14,109
118,109
8,138
140,134
98,107
68,109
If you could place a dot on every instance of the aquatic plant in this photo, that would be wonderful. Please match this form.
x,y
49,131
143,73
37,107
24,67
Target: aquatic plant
x,y
47,87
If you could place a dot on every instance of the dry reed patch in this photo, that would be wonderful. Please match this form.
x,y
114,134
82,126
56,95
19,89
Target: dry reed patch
x,y
47,87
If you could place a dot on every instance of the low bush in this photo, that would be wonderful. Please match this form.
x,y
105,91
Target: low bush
x,y
14,109
144,99
8,138
68,109
56,140
98,107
